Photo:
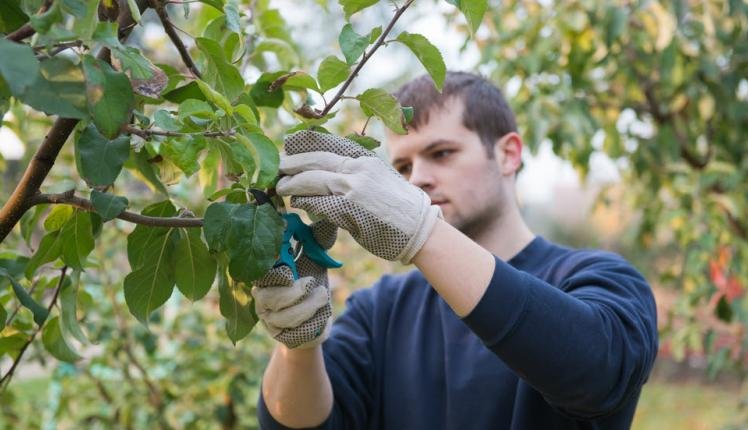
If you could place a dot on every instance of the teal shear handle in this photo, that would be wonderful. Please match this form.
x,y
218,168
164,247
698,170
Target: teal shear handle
x,y
302,233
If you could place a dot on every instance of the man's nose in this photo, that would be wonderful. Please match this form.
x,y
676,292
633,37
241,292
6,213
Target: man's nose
x,y
421,176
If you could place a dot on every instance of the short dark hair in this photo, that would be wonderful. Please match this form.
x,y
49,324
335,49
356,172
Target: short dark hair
x,y
486,111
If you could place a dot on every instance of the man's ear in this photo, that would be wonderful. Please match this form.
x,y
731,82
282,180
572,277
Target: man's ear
x,y
508,153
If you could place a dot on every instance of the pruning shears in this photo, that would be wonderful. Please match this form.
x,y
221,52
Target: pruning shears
x,y
297,237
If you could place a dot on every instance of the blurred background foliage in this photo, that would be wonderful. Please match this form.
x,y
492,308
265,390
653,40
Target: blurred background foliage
x,y
658,88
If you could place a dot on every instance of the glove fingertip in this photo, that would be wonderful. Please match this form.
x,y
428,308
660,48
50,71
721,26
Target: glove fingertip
x,y
277,276
325,233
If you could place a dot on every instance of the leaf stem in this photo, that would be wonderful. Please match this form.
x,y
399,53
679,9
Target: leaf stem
x,y
365,57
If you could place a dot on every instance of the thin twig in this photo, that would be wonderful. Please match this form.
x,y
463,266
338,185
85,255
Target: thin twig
x,y
364,58
5,381
160,9
81,203
147,133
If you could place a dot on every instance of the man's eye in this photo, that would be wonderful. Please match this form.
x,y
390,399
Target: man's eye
x,y
442,153
403,169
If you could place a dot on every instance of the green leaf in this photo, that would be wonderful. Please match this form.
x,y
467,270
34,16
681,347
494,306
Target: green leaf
x,y
165,121
473,11
29,221
352,44
251,235
215,97
11,344
144,237
58,89
267,153
367,142
220,74
352,6
374,34
284,51
22,71
49,249
58,216
188,91
301,80
237,157
184,152
68,308
378,102
231,10
195,108
427,54
197,268
99,159
106,33
134,10
144,169
110,96
150,286
133,61
12,16
332,71
237,306
77,239
271,24
43,23
76,8
261,94
208,175
55,343
245,116
108,205
40,312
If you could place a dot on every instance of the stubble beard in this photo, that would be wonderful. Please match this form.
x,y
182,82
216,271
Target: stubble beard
x,y
479,223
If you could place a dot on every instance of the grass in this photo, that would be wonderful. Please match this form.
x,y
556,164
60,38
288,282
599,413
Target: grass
x,y
685,406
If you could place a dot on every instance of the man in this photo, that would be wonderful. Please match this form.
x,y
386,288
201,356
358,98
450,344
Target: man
x,y
497,329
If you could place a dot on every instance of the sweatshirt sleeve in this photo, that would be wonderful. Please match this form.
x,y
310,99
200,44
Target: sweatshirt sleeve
x,y
587,344
350,366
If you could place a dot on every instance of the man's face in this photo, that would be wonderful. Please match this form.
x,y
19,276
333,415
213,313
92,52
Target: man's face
x,y
450,163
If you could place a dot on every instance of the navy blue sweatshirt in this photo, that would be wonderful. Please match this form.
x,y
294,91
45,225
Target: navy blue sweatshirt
x,y
561,339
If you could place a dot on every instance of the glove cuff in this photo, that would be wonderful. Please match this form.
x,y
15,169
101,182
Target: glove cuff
x,y
429,215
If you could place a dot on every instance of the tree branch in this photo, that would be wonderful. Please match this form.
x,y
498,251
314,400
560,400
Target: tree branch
x,y
81,203
35,174
45,156
160,9
9,374
364,58
147,133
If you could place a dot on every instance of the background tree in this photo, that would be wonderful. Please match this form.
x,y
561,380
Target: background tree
x,y
661,88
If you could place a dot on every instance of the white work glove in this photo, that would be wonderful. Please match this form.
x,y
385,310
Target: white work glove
x,y
337,179
297,313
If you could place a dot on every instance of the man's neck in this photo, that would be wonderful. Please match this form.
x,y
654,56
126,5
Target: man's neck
x,y
506,236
